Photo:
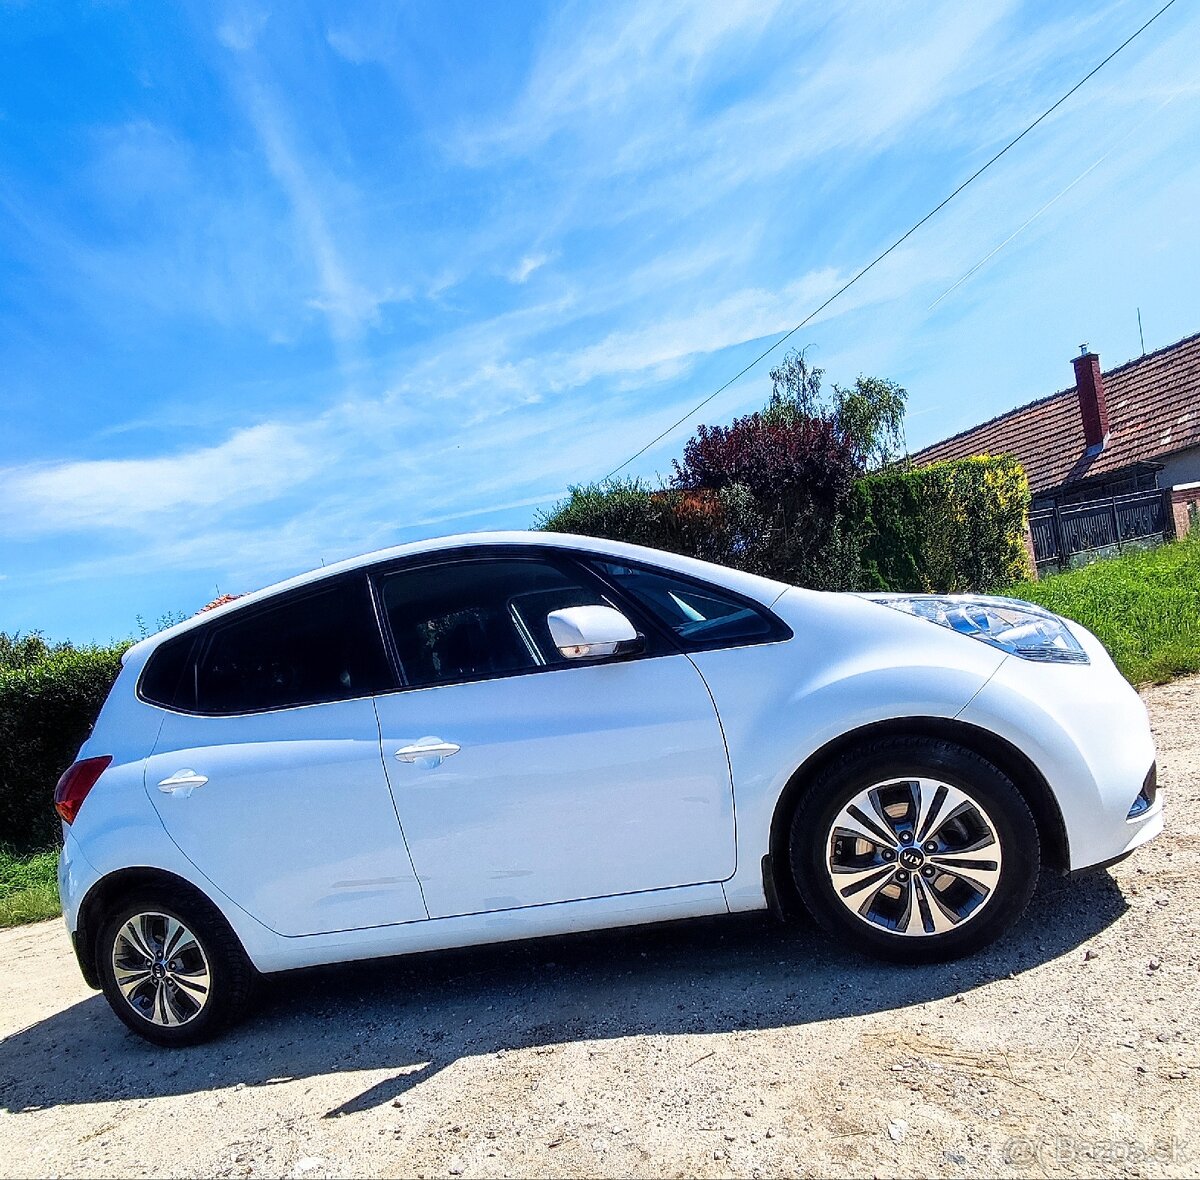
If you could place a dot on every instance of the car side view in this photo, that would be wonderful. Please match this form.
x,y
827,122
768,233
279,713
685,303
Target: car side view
x,y
509,735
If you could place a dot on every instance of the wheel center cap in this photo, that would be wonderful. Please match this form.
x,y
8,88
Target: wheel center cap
x,y
912,858
158,971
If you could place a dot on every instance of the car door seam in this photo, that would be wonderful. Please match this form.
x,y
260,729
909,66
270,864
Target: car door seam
x,y
387,778
728,762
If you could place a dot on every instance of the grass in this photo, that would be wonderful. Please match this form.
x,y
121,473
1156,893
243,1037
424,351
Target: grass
x,y
28,887
1144,606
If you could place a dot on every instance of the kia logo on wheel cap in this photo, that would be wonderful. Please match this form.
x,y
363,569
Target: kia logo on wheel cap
x,y
912,858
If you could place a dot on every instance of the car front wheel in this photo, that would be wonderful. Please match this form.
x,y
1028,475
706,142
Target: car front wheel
x,y
915,850
171,968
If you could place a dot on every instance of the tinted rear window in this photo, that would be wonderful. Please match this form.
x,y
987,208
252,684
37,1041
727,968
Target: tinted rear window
x,y
164,671
323,646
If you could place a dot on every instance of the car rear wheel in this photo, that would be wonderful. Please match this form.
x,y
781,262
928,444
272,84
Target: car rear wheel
x,y
915,850
171,968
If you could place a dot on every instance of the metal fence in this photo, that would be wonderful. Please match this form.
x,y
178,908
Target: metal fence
x,y
1112,523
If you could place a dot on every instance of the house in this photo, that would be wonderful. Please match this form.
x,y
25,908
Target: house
x,y
1132,429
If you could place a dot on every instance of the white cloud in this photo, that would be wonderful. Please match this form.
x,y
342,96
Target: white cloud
x,y
348,304
119,495
531,262
602,61
240,30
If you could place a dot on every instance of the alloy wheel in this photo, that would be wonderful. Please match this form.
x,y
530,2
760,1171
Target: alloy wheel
x,y
914,856
161,969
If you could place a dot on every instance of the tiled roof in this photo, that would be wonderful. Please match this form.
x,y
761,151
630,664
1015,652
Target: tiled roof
x,y
1153,410
216,602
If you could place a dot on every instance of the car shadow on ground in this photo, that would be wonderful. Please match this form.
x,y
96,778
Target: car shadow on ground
x,y
415,1016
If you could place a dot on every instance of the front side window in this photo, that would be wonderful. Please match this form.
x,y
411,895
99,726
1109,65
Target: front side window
x,y
475,620
699,615
321,646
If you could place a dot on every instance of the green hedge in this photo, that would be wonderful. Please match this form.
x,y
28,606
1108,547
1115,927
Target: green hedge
x,y
49,700
956,525
952,526
725,526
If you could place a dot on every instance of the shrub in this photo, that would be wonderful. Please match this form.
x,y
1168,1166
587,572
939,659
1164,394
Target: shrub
x,y
953,526
802,463
725,526
624,510
49,699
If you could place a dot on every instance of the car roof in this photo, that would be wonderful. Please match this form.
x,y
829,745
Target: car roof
x,y
760,589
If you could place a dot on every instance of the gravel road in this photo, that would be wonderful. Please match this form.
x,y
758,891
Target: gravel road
x,y
722,1047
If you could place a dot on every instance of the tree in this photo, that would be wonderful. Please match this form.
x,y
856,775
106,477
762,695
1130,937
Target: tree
x,y
795,389
870,414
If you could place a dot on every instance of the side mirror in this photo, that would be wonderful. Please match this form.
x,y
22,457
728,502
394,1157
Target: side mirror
x,y
592,632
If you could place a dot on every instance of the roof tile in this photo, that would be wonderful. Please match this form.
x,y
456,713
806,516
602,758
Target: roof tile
x,y
1153,410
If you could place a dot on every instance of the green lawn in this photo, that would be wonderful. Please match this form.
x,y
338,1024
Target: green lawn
x,y
1144,606
28,887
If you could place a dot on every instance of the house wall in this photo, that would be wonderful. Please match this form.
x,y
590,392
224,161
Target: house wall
x,y
1185,506
1181,467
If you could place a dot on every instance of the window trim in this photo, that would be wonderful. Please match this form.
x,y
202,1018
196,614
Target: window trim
x,y
658,643
204,635
582,563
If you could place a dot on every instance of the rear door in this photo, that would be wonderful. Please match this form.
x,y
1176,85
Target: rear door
x,y
267,770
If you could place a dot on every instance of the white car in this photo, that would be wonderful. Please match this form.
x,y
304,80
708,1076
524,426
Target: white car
x,y
508,735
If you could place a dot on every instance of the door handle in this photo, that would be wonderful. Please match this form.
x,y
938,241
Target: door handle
x,y
182,782
431,750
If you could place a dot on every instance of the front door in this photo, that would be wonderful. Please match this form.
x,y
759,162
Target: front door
x,y
522,779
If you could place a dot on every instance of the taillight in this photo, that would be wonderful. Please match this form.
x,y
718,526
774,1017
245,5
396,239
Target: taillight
x,y
78,779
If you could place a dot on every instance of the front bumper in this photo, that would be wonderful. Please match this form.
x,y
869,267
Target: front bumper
x,y
1088,733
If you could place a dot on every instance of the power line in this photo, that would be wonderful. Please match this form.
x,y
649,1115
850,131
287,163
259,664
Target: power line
x,y
1012,143
1030,220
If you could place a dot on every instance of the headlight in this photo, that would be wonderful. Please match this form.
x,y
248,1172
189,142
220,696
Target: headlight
x,y
1018,627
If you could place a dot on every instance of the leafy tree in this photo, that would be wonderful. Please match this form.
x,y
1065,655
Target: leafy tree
x,y
799,470
869,414
795,389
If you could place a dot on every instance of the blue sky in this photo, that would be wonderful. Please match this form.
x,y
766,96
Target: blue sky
x,y
283,284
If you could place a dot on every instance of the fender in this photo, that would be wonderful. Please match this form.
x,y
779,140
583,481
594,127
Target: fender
x,y
851,664
1087,731
126,834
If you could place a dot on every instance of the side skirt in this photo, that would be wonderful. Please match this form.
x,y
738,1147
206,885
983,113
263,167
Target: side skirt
x,y
601,913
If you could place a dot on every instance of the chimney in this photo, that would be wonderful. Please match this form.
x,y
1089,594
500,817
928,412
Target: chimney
x,y
1093,408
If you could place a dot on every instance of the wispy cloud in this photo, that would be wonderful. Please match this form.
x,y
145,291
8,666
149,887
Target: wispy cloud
x,y
347,303
391,280
531,262
122,495
240,30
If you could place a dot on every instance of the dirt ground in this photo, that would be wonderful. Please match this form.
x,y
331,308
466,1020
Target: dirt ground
x,y
722,1047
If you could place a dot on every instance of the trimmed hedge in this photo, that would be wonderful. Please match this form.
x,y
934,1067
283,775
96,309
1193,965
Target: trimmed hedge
x,y
725,526
956,525
49,700
952,526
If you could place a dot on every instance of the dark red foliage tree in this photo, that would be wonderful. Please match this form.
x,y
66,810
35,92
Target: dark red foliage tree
x,y
776,461
800,469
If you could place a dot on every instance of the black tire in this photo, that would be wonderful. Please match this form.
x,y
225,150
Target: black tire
x,y
812,845
230,975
